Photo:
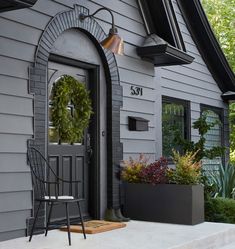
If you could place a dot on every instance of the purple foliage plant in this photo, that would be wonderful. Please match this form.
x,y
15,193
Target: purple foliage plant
x,y
155,172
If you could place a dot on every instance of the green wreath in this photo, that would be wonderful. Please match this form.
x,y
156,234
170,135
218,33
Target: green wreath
x,y
70,126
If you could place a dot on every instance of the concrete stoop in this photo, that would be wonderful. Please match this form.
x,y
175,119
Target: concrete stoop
x,y
221,240
229,246
137,235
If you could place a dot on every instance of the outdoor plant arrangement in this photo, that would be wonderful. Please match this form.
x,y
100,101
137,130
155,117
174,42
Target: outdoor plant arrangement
x,y
220,209
69,125
162,194
187,171
139,171
220,194
131,173
203,127
223,181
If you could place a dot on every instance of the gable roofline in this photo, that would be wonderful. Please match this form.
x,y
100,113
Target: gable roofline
x,y
200,29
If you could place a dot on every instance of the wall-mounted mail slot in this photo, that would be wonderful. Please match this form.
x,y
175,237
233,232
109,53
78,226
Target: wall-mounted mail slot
x,y
137,124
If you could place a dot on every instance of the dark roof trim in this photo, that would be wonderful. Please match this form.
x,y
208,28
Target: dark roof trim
x,y
207,44
228,96
8,5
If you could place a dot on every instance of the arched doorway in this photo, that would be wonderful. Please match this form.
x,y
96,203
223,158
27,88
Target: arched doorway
x,y
74,54
53,48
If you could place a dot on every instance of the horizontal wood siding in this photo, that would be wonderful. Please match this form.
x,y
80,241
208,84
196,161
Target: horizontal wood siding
x,y
192,82
20,31
13,86
12,234
12,124
10,182
132,70
14,222
11,198
18,42
12,162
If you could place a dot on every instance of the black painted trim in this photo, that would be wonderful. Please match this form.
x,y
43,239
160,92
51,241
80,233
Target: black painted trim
x,y
228,96
94,130
187,105
161,20
7,5
220,112
207,44
164,55
187,112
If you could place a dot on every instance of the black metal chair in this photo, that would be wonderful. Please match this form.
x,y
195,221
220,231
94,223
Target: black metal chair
x,y
48,191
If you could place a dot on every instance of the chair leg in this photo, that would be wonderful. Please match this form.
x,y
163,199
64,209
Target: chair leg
x,y
80,213
68,222
34,222
49,218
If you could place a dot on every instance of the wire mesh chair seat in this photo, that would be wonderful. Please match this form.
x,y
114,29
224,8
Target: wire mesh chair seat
x,y
49,191
60,198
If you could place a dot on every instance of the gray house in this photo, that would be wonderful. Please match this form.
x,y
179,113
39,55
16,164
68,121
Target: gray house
x,y
172,69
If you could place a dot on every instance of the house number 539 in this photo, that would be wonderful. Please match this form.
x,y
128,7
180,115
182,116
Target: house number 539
x,y
135,90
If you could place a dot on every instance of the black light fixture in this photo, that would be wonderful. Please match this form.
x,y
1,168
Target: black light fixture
x,y
113,41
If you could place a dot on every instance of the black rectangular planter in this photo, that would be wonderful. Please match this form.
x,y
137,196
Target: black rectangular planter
x,y
167,203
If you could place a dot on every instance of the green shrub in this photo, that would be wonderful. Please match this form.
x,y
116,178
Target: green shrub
x,y
203,126
220,210
223,180
132,168
187,170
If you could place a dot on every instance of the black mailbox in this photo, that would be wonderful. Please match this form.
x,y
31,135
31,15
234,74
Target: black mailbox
x,y
137,124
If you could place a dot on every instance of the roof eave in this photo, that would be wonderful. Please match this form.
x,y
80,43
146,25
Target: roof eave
x,y
164,55
207,44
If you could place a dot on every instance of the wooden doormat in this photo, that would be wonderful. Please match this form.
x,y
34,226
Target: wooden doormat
x,y
95,226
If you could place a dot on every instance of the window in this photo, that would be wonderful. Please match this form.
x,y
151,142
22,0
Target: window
x,y
214,136
159,18
164,44
175,122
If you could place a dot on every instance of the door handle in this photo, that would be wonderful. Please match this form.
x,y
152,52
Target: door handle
x,y
89,152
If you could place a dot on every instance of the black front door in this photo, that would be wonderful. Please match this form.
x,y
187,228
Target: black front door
x,y
68,161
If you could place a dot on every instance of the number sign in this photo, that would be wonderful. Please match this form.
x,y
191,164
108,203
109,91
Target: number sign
x,y
137,91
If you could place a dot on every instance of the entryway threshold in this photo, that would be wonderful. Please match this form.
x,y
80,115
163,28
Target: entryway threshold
x,y
137,235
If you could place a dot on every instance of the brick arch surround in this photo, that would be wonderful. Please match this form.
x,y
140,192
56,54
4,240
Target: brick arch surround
x,y
38,86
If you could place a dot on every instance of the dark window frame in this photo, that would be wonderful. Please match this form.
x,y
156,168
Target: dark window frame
x,y
187,115
176,33
220,112
165,16
8,5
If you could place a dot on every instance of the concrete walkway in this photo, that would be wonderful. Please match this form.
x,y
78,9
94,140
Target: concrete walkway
x,y
137,235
